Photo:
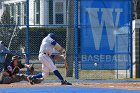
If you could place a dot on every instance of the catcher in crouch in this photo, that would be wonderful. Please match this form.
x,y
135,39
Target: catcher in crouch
x,y
46,49
11,73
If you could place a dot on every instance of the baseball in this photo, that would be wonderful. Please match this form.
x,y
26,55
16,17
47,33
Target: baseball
x,y
95,64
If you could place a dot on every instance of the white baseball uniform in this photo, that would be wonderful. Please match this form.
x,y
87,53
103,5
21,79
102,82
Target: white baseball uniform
x,y
46,49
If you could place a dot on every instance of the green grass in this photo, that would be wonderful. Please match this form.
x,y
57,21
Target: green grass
x,y
83,74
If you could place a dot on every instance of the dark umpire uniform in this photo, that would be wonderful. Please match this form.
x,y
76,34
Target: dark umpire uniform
x,y
3,51
11,73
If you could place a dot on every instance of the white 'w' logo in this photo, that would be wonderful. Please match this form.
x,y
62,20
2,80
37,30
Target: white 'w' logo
x,y
107,20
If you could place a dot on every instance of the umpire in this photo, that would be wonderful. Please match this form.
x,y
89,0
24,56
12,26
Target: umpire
x,y
11,73
3,51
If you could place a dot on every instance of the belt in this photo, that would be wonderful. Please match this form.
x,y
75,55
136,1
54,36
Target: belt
x,y
43,53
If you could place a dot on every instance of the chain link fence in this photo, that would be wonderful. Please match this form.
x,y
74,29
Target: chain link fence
x,y
24,23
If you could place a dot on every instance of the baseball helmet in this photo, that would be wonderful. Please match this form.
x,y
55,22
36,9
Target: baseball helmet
x,y
52,35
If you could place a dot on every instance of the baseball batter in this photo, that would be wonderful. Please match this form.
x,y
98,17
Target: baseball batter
x,y
46,50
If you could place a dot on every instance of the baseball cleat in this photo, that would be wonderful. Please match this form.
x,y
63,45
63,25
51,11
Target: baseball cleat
x,y
30,79
65,83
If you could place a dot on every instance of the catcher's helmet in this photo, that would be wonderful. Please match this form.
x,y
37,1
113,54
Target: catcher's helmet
x,y
52,35
16,57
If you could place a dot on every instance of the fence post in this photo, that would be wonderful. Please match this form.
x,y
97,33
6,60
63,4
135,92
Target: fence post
x,y
27,34
70,38
130,40
76,38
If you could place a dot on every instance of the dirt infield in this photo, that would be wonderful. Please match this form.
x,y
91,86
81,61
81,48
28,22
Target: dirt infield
x,y
112,85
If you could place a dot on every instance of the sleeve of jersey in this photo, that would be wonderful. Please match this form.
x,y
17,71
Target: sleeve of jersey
x,y
58,47
53,42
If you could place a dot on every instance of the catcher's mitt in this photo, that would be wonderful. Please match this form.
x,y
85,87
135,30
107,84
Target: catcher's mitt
x,y
31,69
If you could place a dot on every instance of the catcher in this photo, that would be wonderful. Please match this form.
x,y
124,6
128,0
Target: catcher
x,y
11,73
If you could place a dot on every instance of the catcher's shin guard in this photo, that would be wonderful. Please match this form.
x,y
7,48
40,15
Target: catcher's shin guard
x,y
34,80
38,80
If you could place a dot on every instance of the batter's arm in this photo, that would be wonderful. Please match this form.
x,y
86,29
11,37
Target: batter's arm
x,y
59,48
